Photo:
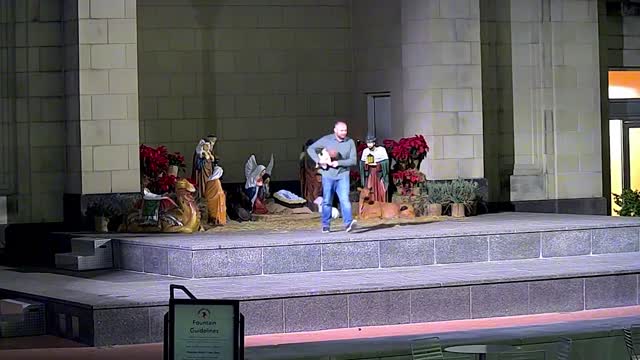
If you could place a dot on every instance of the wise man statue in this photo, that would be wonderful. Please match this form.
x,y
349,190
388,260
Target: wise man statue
x,y
374,169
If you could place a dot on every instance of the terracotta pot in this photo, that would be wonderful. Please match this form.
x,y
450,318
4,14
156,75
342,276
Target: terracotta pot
x,y
173,170
101,224
457,210
434,210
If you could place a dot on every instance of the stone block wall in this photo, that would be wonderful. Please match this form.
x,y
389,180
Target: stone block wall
x,y
263,76
497,97
39,115
102,96
576,169
547,73
621,34
442,84
377,58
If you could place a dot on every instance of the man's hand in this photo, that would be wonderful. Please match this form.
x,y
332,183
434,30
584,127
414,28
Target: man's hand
x,y
333,164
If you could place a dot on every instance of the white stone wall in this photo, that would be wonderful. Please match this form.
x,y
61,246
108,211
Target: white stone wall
x,y
39,113
442,89
102,96
263,76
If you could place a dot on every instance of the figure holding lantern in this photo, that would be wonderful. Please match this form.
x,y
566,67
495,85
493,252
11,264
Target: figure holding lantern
x,y
374,170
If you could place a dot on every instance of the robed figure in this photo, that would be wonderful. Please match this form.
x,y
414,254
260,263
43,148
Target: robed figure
x,y
374,170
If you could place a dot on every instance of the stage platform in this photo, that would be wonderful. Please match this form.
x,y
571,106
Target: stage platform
x,y
486,266
493,237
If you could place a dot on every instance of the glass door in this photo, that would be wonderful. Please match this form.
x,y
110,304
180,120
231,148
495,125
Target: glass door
x,y
631,154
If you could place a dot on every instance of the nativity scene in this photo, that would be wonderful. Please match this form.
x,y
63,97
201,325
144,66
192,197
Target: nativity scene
x,y
386,185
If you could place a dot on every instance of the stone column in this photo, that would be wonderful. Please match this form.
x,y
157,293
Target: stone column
x,y
101,78
442,85
530,50
556,105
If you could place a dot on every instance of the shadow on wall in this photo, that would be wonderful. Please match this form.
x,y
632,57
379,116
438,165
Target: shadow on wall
x,y
497,99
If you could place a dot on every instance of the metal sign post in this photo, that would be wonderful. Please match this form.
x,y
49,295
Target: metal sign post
x,y
202,328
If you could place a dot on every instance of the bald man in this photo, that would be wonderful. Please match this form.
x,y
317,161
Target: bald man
x,y
335,173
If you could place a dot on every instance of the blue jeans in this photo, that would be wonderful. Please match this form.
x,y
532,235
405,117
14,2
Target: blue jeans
x,y
340,186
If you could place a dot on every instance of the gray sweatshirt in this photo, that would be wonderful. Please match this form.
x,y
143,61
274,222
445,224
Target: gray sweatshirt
x,y
346,157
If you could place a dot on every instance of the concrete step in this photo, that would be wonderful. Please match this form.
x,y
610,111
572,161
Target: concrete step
x,y
485,238
87,254
80,262
89,245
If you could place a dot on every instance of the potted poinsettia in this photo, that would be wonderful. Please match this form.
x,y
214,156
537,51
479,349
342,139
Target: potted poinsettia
x,y
176,163
407,152
154,164
407,181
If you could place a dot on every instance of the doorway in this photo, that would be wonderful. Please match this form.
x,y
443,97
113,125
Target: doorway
x,y
624,142
379,115
624,130
631,154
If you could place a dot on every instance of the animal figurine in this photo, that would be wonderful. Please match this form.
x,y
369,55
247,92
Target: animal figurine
x,y
371,209
182,216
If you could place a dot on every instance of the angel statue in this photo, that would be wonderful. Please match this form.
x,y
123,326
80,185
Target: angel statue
x,y
374,169
256,186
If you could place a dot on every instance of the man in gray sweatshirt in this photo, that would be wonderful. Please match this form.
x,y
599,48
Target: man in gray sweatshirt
x,y
335,172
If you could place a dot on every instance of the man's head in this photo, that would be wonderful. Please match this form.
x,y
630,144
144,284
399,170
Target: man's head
x,y
340,130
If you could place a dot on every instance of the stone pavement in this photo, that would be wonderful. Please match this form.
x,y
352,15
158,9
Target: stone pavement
x,y
595,333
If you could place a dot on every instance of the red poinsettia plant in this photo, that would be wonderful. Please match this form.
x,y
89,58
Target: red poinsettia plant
x,y
411,148
407,154
154,164
406,180
176,159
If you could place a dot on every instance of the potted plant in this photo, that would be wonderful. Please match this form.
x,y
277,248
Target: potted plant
x,y
101,213
629,202
176,163
406,155
407,181
461,194
436,194
154,165
408,152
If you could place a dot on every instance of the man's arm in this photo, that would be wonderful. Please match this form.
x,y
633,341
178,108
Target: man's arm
x,y
312,150
351,161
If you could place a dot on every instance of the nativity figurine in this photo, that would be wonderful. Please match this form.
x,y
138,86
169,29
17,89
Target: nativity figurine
x,y
203,164
374,170
206,174
216,198
310,178
257,182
